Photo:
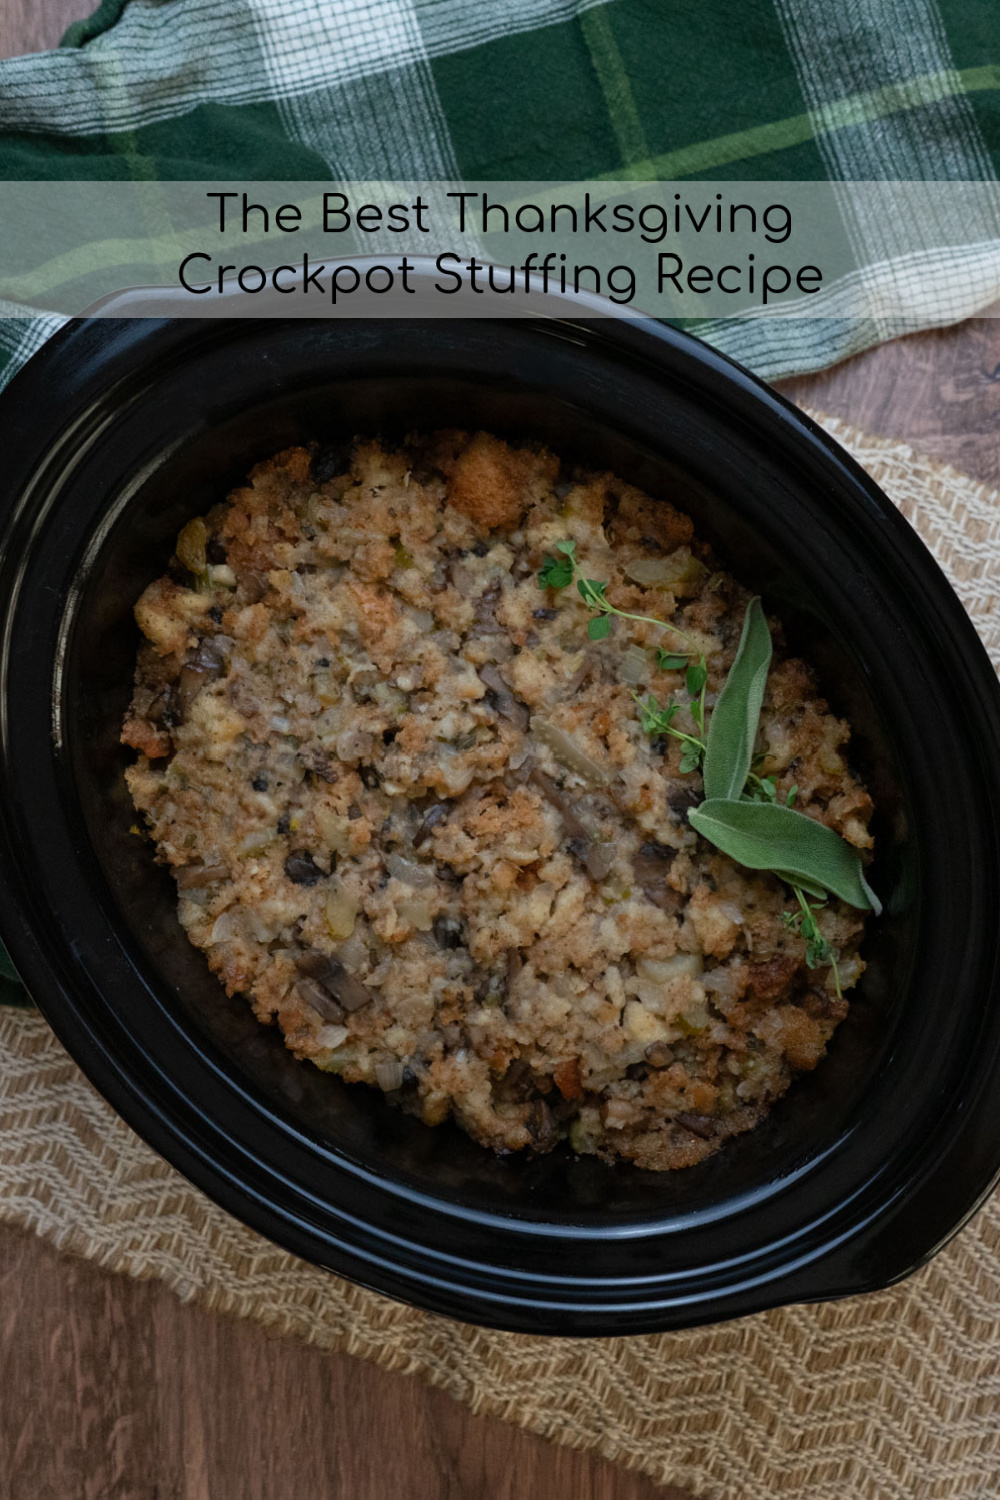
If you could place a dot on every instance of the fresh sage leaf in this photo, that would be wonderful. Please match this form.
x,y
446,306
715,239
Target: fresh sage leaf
x,y
767,836
733,725
811,888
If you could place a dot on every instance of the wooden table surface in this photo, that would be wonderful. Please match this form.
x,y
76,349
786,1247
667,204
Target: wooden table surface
x,y
114,1391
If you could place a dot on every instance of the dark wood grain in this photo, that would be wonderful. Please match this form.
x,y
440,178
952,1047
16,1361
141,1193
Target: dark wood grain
x,y
34,25
114,1391
939,391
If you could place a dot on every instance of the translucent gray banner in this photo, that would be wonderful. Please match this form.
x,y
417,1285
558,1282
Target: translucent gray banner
x,y
920,253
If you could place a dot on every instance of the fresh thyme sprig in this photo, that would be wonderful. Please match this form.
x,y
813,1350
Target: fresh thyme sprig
x,y
558,573
656,721
741,813
819,951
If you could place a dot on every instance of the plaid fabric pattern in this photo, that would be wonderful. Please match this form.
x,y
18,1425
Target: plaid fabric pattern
x,y
770,90
533,90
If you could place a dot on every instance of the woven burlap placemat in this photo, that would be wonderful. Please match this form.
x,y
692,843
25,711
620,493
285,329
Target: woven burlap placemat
x,y
893,1396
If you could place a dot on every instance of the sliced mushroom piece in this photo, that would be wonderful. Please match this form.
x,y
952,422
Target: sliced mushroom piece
x,y
302,869
448,932
331,974
699,1125
204,665
163,708
519,772
599,858
351,992
189,684
190,877
541,1126
209,655
434,816
651,866
517,1084
486,622
680,798
316,997
502,699
573,824
573,684
330,461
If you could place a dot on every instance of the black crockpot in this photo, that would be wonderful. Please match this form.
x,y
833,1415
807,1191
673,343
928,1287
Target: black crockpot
x,y
122,428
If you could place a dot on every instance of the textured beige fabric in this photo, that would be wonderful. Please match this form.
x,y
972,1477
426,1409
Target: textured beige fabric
x,y
894,1396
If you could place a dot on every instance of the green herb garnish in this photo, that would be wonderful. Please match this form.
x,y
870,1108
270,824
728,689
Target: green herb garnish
x,y
668,661
729,746
657,721
767,836
818,950
557,572
741,814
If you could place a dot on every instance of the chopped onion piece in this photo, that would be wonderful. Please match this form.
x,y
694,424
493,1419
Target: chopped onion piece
x,y
254,843
652,572
408,870
665,970
389,1073
333,829
354,744
724,982
416,911
331,1036
567,752
634,666
226,926
188,913
263,931
341,912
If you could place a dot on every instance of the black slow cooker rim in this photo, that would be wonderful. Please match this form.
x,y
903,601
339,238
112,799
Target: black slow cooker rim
x,y
219,1166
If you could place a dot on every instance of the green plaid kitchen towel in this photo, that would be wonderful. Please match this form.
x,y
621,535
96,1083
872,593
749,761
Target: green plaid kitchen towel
x,y
320,90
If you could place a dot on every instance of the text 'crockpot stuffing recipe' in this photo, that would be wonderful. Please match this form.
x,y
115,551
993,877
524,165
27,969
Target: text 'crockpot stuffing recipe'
x,y
480,779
